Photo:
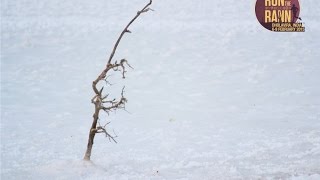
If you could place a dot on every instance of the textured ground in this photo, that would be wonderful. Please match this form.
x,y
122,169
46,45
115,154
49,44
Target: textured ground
x,y
212,95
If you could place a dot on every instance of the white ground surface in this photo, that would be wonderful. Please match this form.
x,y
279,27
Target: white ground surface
x,y
213,95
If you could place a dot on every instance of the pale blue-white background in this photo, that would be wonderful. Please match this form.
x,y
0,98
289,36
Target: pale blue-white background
x,y
213,95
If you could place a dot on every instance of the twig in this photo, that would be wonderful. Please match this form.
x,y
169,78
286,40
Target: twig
x,y
101,102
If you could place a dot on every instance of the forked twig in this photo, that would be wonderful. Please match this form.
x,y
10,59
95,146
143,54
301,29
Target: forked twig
x,y
101,101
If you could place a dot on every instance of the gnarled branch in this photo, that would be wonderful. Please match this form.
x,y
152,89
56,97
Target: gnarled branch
x,y
101,101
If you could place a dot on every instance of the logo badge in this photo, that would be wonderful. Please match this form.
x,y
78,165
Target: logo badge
x,y
280,15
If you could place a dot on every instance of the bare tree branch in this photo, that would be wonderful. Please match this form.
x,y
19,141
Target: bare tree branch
x,y
101,101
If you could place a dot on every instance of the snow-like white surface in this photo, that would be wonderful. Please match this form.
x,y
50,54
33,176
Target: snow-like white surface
x,y
212,95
